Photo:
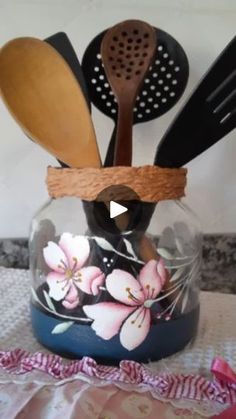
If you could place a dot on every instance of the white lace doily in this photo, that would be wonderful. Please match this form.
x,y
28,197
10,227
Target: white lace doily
x,y
216,334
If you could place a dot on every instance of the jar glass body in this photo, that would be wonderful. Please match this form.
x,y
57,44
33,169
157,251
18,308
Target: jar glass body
x,y
111,294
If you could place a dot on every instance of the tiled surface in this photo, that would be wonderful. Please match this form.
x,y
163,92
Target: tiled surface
x,y
203,27
218,270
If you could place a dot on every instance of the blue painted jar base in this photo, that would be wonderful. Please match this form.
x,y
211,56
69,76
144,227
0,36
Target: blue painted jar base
x,y
164,339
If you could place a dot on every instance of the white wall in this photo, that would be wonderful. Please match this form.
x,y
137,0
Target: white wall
x,y
203,27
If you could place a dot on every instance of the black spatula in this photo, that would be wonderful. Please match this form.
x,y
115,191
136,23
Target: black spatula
x,y
62,44
208,115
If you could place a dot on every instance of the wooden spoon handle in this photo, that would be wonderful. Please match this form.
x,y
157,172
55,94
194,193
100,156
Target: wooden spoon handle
x,y
123,147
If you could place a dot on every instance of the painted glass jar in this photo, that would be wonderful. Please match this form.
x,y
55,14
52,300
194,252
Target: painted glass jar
x,y
115,294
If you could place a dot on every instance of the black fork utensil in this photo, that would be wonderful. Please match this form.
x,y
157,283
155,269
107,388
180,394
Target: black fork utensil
x,y
208,115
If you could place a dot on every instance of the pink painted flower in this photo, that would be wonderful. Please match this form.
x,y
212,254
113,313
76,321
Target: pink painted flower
x,y
68,274
132,318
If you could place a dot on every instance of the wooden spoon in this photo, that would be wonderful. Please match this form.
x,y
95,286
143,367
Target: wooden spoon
x,y
44,97
127,51
46,100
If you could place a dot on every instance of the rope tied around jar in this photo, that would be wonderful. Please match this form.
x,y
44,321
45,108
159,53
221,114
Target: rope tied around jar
x,y
150,183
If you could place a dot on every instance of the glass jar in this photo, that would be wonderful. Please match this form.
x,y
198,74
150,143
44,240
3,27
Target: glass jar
x,y
112,294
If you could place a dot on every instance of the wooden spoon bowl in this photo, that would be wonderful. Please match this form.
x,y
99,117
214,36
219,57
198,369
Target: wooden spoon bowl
x,y
127,51
43,95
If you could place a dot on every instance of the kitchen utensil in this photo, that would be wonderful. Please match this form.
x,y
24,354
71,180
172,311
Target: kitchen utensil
x,y
44,97
54,116
208,115
76,159
127,51
163,85
62,44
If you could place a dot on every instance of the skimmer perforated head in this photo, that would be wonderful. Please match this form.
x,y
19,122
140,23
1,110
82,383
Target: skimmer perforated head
x,y
163,85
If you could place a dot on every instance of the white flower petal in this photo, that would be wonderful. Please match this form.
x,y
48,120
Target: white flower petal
x,y
76,248
55,258
124,287
135,328
58,286
108,317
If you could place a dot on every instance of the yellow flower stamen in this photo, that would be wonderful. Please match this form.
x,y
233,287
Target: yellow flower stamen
x,y
131,296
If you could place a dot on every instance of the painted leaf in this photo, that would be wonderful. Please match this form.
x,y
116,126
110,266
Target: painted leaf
x,y
34,295
62,327
196,267
184,249
180,246
130,248
177,274
49,301
104,244
164,253
184,301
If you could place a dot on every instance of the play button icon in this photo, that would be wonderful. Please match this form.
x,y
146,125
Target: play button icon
x,y
116,209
